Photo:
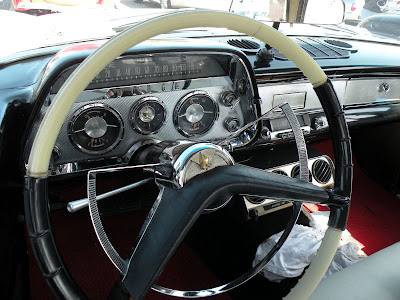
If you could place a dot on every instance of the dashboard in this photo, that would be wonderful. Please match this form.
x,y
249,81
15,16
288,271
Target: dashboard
x,y
201,89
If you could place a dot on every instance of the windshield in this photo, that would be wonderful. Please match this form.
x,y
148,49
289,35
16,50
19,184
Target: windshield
x,y
32,24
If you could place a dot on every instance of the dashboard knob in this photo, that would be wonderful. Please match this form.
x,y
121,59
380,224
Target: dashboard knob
x,y
266,134
319,123
232,124
384,87
229,98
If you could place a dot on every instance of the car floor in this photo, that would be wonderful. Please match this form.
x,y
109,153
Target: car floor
x,y
219,247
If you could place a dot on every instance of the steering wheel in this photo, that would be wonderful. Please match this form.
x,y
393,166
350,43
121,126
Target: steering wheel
x,y
177,209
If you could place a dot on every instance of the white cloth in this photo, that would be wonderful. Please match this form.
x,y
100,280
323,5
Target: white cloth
x,y
298,251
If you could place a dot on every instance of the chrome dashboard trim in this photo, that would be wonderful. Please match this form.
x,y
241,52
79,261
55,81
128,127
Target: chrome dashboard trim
x,y
288,168
371,91
268,91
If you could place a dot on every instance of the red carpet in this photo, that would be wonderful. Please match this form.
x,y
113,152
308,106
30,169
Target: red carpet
x,y
374,219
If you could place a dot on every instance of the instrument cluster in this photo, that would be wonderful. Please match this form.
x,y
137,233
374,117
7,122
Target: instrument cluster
x,y
154,97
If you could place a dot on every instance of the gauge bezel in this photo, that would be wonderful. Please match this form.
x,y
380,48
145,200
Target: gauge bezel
x,y
179,106
134,109
91,106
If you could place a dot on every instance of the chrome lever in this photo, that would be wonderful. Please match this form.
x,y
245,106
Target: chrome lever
x,y
76,205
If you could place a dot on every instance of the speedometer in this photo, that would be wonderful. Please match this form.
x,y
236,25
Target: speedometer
x,y
195,114
95,128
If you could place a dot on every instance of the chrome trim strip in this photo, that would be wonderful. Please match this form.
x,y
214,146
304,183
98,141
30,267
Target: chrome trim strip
x,y
287,168
108,248
300,141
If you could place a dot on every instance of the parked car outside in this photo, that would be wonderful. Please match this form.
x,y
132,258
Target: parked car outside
x,y
218,5
353,11
46,6
391,6
383,25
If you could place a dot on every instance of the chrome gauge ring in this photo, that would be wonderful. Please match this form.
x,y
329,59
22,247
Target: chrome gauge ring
x,y
195,114
96,128
148,115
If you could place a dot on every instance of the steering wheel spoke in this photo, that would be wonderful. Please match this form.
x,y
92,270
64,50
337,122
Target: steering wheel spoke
x,y
177,209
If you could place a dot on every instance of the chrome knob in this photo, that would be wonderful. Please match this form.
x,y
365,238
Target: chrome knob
x,y
319,123
229,98
266,134
384,87
232,124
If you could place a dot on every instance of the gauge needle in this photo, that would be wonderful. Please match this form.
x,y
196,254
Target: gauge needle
x,y
80,130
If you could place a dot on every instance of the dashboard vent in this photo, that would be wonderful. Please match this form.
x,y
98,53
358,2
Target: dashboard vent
x,y
338,43
322,171
257,200
280,172
316,49
296,173
244,44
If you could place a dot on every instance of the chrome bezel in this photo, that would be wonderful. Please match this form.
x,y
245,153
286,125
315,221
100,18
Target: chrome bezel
x,y
85,108
134,109
180,163
179,105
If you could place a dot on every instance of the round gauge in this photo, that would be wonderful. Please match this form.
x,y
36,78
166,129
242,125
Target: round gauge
x,y
148,115
195,114
96,128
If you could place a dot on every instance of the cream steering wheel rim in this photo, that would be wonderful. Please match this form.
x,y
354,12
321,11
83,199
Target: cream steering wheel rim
x,y
45,139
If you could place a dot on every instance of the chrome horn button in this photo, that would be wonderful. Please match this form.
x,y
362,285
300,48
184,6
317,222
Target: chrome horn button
x,y
198,158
